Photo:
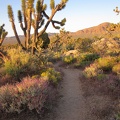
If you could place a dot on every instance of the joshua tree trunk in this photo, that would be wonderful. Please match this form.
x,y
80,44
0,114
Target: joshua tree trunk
x,y
1,41
16,35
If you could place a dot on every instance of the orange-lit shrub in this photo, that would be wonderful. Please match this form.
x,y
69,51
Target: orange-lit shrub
x,y
116,68
92,71
106,63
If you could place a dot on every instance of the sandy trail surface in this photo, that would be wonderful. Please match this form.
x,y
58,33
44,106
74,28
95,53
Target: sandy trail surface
x,y
72,105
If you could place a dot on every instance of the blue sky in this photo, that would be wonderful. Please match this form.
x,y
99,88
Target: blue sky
x,y
80,14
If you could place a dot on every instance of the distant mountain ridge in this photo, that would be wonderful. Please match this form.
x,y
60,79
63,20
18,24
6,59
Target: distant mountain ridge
x,y
100,28
92,31
87,32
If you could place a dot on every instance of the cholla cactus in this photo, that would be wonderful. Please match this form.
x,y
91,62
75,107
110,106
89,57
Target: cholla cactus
x,y
30,17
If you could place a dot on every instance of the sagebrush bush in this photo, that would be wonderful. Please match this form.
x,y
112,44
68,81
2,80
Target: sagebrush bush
x,y
51,75
29,94
92,71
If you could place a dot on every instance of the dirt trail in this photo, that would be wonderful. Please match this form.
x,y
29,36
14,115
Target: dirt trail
x,y
71,105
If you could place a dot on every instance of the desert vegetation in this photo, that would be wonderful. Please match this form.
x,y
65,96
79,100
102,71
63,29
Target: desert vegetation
x,y
28,78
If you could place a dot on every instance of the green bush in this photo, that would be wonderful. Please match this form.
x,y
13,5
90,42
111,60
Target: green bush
x,y
29,94
69,59
91,57
51,75
85,59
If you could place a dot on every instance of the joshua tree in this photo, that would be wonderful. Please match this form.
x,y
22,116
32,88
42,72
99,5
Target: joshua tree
x,y
3,34
35,17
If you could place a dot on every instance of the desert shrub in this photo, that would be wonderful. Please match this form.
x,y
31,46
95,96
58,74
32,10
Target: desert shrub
x,y
82,64
92,71
83,44
29,94
23,63
53,56
80,60
106,46
116,68
18,60
69,59
91,57
51,75
85,59
106,63
57,56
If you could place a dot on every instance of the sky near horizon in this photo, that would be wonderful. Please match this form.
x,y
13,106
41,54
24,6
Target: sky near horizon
x,y
80,14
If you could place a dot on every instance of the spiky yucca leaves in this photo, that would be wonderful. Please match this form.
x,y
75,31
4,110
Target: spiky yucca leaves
x,y
19,16
11,18
64,1
63,22
23,5
3,34
38,6
10,13
30,4
52,4
44,7
116,10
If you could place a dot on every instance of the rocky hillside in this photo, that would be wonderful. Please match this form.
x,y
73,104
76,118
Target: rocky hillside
x,y
99,30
